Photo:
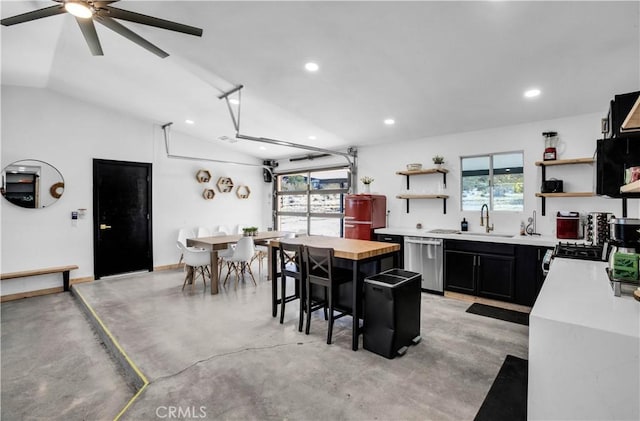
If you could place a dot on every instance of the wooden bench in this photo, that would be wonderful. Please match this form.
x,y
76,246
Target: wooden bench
x,y
25,273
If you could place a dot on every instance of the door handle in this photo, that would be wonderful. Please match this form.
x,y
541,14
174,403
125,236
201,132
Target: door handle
x,y
105,227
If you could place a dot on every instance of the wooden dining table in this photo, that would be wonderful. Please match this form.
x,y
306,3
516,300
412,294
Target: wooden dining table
x,y
214,244
355,252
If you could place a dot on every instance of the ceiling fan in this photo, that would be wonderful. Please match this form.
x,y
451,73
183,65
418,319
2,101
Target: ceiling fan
x,y
88,11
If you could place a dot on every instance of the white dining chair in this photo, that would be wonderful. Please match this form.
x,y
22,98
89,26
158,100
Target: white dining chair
x,y
222,254
196,262
183,234
204,232
239,261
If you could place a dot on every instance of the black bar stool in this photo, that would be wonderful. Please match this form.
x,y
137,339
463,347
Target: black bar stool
x,y
321,271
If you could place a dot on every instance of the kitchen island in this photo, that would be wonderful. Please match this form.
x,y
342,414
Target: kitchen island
x,y
584,347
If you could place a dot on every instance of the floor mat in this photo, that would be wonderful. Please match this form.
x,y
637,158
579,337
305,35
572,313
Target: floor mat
x,y
507,398
499,313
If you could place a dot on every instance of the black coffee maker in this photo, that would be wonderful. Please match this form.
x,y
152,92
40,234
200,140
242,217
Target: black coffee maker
x,y
625,233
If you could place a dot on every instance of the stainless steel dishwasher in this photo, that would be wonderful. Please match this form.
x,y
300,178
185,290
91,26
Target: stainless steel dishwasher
x,y
424,255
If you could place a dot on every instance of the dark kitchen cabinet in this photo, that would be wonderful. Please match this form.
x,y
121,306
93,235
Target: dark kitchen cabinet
x,y
479,268
529,273
496,276
460,272
387,263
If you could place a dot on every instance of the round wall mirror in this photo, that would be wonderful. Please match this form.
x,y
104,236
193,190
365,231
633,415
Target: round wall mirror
x,y
32,184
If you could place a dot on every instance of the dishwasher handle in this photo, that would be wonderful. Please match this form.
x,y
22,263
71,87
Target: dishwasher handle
x,y
434,242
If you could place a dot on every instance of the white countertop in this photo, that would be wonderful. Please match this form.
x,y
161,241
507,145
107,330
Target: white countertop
x,y
507,238
578,292
584,347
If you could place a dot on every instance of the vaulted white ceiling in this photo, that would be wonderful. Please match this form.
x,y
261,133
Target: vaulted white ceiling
x,y
435,67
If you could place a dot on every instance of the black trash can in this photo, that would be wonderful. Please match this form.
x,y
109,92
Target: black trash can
x,y
392,312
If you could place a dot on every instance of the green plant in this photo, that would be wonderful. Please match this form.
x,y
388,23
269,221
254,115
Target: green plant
x,y
366,180
438,159
249,230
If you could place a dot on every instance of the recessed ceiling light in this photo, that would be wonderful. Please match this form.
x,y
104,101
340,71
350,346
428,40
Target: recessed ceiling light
x,y
262,148
389,121
312,137
532,93
234,101
189,121
311,67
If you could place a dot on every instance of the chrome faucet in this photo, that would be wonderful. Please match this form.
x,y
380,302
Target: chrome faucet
x,y
482,219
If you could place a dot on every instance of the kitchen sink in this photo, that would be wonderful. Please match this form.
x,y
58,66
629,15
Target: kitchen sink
x,y
487,234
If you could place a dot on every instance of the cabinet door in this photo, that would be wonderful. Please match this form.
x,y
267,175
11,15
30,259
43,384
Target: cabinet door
x,y
529,275
526,273
459,272
387,262
496,276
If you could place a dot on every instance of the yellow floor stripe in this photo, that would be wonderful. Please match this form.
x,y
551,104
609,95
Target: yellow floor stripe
x,y
121,351
144,386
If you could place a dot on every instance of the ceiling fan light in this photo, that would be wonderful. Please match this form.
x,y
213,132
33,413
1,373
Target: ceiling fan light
x,y
78,9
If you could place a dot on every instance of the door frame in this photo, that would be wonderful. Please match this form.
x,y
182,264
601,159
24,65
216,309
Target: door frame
x,y
96,222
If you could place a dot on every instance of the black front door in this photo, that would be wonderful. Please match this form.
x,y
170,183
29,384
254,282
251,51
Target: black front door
x,y
121,217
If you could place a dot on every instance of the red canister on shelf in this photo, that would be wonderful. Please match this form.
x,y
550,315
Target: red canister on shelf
x,y
568,225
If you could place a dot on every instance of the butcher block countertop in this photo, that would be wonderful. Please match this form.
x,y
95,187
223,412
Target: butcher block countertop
x,y
344,248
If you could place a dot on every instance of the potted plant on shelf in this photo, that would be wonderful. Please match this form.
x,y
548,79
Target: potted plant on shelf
x,y
366,180
438,161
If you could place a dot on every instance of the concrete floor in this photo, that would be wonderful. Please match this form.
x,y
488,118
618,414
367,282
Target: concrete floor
x,y
225,357
54,367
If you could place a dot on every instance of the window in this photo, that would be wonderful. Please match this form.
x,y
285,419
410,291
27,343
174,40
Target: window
x,y
312,201
495,179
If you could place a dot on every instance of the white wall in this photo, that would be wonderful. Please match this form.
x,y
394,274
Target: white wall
x,y
67,133
578,139
36,124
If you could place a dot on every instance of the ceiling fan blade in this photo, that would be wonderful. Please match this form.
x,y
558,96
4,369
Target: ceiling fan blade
x,y
151,21
90,35
132,36
36,14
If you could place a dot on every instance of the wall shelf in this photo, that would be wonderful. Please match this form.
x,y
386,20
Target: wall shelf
x,y
565,162
203,176
631,187
408,197
442,171
545,164
572,194
243,192
225,185
408,175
